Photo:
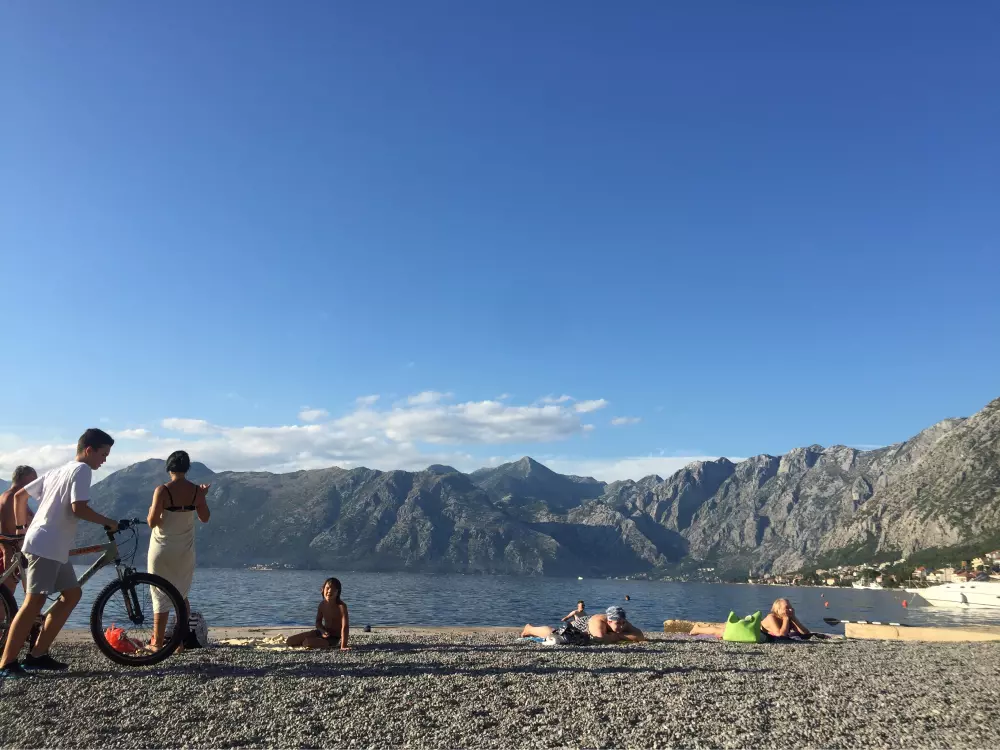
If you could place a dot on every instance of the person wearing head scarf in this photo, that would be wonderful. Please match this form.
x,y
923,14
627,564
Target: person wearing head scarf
x,y
611,626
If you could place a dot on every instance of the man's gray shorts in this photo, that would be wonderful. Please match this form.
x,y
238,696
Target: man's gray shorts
x,y
47,576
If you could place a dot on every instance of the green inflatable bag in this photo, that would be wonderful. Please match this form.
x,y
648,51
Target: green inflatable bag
x,y
745,630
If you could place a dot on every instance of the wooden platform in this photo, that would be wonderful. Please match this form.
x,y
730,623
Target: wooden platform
x,y
943,635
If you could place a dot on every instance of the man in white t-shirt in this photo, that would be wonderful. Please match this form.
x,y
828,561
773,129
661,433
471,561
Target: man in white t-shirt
x,y
62,496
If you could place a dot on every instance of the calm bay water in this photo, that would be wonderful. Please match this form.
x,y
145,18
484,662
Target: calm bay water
x,y
289,597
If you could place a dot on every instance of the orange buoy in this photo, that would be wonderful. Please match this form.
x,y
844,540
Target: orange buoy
x,y
904,603
826,604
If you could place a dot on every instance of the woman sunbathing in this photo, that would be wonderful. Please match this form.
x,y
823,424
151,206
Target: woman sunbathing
x,y
781,622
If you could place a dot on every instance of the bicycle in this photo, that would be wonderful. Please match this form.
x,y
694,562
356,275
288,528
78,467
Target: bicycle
x,y
124,603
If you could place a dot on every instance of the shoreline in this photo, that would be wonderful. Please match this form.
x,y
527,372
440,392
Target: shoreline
x,y
79,636
859,630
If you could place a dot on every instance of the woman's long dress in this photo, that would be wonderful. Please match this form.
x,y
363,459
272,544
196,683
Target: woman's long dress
x,y
171,551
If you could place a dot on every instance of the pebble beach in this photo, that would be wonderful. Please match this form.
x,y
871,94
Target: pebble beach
x,y
441,689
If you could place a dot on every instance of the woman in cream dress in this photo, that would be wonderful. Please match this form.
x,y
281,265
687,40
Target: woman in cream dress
x,y
171,545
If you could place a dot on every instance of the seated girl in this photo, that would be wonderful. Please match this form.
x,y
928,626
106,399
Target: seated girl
x,y
332,623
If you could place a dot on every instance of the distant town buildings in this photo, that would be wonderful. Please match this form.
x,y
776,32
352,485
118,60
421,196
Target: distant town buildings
x,y
886,574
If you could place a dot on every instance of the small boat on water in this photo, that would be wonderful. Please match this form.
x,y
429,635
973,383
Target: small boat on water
x,y
260,567
866,584
965,594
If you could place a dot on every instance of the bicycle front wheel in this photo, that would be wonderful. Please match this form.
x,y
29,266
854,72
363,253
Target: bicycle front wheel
x,y
121,621
8,608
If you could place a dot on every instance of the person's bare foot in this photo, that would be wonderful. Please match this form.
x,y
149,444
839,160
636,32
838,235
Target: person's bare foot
x,y
525,633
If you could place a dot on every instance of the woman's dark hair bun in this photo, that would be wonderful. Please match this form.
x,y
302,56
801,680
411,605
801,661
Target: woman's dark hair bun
x,y
178,462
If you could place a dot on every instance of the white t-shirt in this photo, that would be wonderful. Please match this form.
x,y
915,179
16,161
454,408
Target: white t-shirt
x,y
53,528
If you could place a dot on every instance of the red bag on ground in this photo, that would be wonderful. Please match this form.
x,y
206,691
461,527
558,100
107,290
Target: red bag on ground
x,y
116,637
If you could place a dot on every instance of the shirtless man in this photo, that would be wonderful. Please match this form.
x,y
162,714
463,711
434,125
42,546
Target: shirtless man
x,y
578,613
14,520
610,627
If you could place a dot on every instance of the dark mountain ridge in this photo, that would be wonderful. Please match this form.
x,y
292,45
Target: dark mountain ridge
x,y
767,512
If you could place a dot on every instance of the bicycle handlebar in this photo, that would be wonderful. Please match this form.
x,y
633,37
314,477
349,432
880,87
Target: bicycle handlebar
x,y
126,523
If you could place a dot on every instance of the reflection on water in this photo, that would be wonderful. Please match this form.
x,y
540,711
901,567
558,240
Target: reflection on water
x,y
286,597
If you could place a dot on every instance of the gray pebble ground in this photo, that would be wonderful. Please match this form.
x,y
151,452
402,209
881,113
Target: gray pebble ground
x,y
445,690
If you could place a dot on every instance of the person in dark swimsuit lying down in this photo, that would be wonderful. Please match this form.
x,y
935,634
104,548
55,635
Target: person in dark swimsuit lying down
x,y
780,624
609,627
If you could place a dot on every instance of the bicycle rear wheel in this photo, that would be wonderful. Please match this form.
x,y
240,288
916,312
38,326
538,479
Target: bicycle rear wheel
x,y
8,608
128,604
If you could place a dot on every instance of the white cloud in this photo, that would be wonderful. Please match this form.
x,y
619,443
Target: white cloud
x,y
503,397
588,406
407,435
556,399
367,400
427,397
612,469
136,434
472,422
620,421
395,438
313,415
40,457
190,426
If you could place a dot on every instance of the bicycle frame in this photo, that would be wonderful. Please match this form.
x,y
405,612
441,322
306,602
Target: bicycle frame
x,y
109,557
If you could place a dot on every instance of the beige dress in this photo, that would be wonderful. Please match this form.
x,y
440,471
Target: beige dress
x,y
171,550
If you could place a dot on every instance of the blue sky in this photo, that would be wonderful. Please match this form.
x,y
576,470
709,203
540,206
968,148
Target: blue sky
x,y
740,227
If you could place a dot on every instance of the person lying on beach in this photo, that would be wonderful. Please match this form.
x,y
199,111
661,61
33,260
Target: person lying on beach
x,y
576,613
332,622
610,627
708,628
780,623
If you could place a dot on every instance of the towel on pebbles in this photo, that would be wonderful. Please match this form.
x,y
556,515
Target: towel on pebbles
x,y
274,643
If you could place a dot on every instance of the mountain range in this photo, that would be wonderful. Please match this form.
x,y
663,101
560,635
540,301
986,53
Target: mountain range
x,y
767,513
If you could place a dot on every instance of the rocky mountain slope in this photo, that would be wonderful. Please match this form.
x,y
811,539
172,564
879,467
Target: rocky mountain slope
x,y
436,520
946,493
775,513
